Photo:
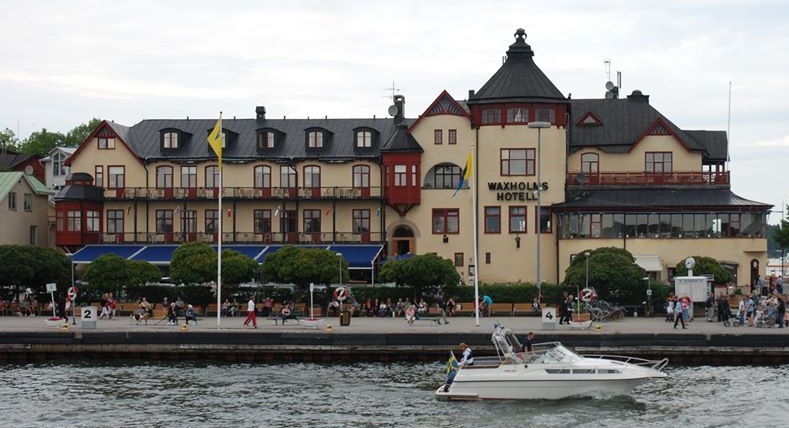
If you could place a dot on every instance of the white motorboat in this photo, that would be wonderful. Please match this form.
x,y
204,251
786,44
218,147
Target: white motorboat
x,y
550,372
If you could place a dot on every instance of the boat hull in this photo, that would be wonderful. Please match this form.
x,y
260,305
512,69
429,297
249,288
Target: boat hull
x,y
535,390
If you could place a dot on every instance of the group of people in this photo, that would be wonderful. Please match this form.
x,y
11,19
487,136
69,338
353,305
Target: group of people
x,y
681,308
172,311
565,307
756,310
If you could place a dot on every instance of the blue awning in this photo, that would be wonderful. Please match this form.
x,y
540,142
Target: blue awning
x,y
90,253
156,254
358,256
252,251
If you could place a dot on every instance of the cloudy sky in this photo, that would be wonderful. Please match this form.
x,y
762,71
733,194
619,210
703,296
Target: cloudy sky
x,y
64,63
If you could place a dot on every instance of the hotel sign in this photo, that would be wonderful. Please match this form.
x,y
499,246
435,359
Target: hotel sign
x,y
516,190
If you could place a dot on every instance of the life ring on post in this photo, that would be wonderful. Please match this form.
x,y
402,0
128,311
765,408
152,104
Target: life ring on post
x,y
587,295
72,293
342,293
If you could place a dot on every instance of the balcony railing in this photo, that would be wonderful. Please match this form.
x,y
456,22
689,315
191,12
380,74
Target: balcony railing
x,y
273,238
646,178
243,193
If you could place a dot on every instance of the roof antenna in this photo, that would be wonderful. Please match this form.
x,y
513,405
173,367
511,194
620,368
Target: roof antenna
x,y
394,89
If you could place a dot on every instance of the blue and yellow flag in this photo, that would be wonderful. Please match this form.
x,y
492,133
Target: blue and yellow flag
x,y
466,176
452,364
215,139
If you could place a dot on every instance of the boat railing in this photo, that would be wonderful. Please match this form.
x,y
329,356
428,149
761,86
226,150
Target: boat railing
x,y
654,364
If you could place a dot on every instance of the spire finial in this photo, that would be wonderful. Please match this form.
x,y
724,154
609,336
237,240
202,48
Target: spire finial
x,y
520,33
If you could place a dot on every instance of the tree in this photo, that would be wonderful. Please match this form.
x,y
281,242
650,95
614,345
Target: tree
x,y
79,133
613,273
781,234
33,267
302,266
8,139
41,142
705,266
107,273
421,272
141,272
193,263
236,268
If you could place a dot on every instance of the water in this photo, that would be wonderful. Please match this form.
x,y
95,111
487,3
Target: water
x,y
202,394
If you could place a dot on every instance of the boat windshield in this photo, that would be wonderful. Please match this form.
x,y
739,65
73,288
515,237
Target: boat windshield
x,y
554,352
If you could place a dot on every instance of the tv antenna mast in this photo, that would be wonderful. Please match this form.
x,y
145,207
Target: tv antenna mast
x,y
394,89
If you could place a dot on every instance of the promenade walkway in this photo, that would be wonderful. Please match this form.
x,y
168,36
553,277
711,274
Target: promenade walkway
x,y
457,326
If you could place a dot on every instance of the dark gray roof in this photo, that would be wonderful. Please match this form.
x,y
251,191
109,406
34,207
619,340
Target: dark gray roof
x,y
402,141
11,159
518,80
716,144
145,138
624,121
660,199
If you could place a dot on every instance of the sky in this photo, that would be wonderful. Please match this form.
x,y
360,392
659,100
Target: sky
x,y
64,63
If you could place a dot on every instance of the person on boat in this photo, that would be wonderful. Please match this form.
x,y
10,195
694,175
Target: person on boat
x,y
468,355
528,343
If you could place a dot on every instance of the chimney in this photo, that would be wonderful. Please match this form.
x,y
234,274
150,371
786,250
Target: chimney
x,y
638,96
471,93
260,112
399,101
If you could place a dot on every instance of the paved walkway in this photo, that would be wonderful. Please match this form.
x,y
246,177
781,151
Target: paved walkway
x,y
457,325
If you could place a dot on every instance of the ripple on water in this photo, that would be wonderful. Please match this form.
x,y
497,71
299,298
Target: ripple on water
x,y
87,394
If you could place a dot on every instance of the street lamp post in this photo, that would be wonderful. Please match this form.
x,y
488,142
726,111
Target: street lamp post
x,y
339,261
586,279
649,296
539,126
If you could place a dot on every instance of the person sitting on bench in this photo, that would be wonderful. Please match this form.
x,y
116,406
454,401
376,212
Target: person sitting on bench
x,y
190,315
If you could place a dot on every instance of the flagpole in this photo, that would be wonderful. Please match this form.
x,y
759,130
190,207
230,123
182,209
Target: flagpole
x,y
474,224
219,246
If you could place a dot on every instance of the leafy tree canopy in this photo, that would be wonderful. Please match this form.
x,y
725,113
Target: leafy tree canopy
x,y
421,272
39,143
109,272
302,266
236,268
33,267
193,263
613,273
706,266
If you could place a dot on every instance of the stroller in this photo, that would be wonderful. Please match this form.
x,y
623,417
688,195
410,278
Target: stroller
x,y
669,308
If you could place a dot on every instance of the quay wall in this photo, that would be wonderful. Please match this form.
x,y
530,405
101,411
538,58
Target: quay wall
x,y
323,346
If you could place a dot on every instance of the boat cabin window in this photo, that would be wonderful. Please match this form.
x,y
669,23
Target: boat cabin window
x,y
609,371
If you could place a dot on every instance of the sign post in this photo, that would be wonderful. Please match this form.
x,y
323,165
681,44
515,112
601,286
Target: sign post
x,y
51,288
88,316
549,318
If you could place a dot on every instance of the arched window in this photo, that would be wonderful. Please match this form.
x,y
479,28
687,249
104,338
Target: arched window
x,y
590,163
443,176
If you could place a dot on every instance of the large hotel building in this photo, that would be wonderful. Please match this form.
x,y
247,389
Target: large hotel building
x,y
552,177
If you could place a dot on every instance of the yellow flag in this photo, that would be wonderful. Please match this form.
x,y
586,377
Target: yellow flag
x,y
215,139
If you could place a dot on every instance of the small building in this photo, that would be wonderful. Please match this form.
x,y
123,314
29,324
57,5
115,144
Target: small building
x,y
24,210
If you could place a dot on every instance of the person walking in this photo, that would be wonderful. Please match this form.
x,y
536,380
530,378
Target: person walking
x,y
441,305
251,313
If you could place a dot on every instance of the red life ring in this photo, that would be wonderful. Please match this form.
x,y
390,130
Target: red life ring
x,y
342,293
72,293
587,294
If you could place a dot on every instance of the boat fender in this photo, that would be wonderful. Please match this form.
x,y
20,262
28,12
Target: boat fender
x,y
341,293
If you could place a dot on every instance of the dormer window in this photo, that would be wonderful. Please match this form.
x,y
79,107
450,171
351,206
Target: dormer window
x,y
170,140
266,140
314,139
225,139
364,139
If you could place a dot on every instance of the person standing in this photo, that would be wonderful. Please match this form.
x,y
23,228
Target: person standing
x,y
251,313
560,308
780,311
441,305
678,315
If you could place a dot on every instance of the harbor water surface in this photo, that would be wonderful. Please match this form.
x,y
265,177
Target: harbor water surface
x,y
185,394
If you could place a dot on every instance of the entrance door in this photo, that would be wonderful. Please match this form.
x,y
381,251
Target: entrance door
x,y
403,241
